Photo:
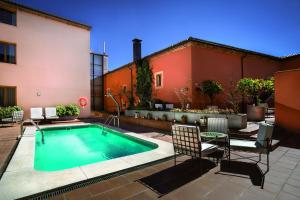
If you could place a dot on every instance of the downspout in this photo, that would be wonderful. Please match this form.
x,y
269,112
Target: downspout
x,y
244,55
242,64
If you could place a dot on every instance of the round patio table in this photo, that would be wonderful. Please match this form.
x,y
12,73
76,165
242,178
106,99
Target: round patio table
x,y
214,137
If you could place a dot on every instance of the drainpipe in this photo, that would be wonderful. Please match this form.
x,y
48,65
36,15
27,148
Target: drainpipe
x,y
242,64
242,76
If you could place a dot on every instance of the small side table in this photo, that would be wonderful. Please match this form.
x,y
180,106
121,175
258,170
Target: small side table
x,y
216,137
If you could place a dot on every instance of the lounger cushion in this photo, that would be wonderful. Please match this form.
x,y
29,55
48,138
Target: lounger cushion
x,y
52,117
37,118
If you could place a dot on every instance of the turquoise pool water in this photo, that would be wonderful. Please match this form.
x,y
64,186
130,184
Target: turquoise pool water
x,y
68,147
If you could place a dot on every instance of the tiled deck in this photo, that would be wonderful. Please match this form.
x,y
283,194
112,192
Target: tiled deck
x,y
186,182
282,182
8,138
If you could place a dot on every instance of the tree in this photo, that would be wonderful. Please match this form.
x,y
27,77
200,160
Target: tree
x,y
210,88
144,82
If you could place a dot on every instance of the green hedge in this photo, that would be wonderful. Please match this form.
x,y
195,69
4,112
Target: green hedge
x,y
67,110
6,112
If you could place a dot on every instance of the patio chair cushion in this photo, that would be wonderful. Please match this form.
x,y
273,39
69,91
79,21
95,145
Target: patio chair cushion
x,y
265,132
247,145
217,125
207,148
242,143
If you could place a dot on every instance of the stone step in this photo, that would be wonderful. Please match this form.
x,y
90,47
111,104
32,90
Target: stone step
x,y
252,128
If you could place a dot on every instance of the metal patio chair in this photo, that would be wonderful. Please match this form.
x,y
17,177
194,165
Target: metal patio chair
x,y
262,145
187,141
217,125
17,117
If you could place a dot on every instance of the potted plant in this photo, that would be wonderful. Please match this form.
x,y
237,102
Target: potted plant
x,y
210,88
252,88
149,116
266,93
164,117
6,112
184,119
67,112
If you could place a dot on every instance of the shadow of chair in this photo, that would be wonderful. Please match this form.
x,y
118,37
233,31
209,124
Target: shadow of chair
x,y
174,177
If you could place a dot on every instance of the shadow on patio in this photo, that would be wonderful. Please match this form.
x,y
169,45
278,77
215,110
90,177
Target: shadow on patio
x,y
174,177
242,170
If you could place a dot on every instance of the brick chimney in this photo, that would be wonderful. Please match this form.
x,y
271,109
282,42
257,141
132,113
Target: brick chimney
x,y
137,51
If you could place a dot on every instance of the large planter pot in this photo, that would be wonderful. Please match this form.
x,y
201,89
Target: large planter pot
x,y
67,118
255,113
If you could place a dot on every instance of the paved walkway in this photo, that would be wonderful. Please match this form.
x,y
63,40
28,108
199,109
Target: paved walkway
x,y
186,180
8,138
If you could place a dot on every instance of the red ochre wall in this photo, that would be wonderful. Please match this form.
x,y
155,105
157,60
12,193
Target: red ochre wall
x,y
291,63
115,81
191,63
175,65
287,100
224,66
177,71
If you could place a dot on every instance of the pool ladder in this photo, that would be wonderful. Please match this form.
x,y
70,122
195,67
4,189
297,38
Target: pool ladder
x,y
36,126
114,118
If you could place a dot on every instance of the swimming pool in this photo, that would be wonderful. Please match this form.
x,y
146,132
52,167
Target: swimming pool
x,y
73,146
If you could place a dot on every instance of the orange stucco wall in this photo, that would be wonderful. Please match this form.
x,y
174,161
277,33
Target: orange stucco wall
x,y
177,73
115,81
291,63
175,63
287,99
52,59
191,63
224,66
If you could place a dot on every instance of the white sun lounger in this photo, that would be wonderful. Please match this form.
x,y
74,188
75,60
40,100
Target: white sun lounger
x,y
36,114
50,113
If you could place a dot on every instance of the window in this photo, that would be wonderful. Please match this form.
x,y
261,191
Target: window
x,y
159,79
7,96
96,78
8,17
7,53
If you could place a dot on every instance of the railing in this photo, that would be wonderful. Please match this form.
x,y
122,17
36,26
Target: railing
x,y
36,126
114,118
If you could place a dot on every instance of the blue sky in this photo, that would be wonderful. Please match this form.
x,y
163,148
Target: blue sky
x,y
268,26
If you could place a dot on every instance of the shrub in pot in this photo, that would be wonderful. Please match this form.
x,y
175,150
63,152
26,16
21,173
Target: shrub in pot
x,y
252,88
164,117
149,116
6,112
67,112
184,119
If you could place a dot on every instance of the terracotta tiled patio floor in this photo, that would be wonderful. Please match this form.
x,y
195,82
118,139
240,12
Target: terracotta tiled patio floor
x,y
183,181
8,138
282,182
